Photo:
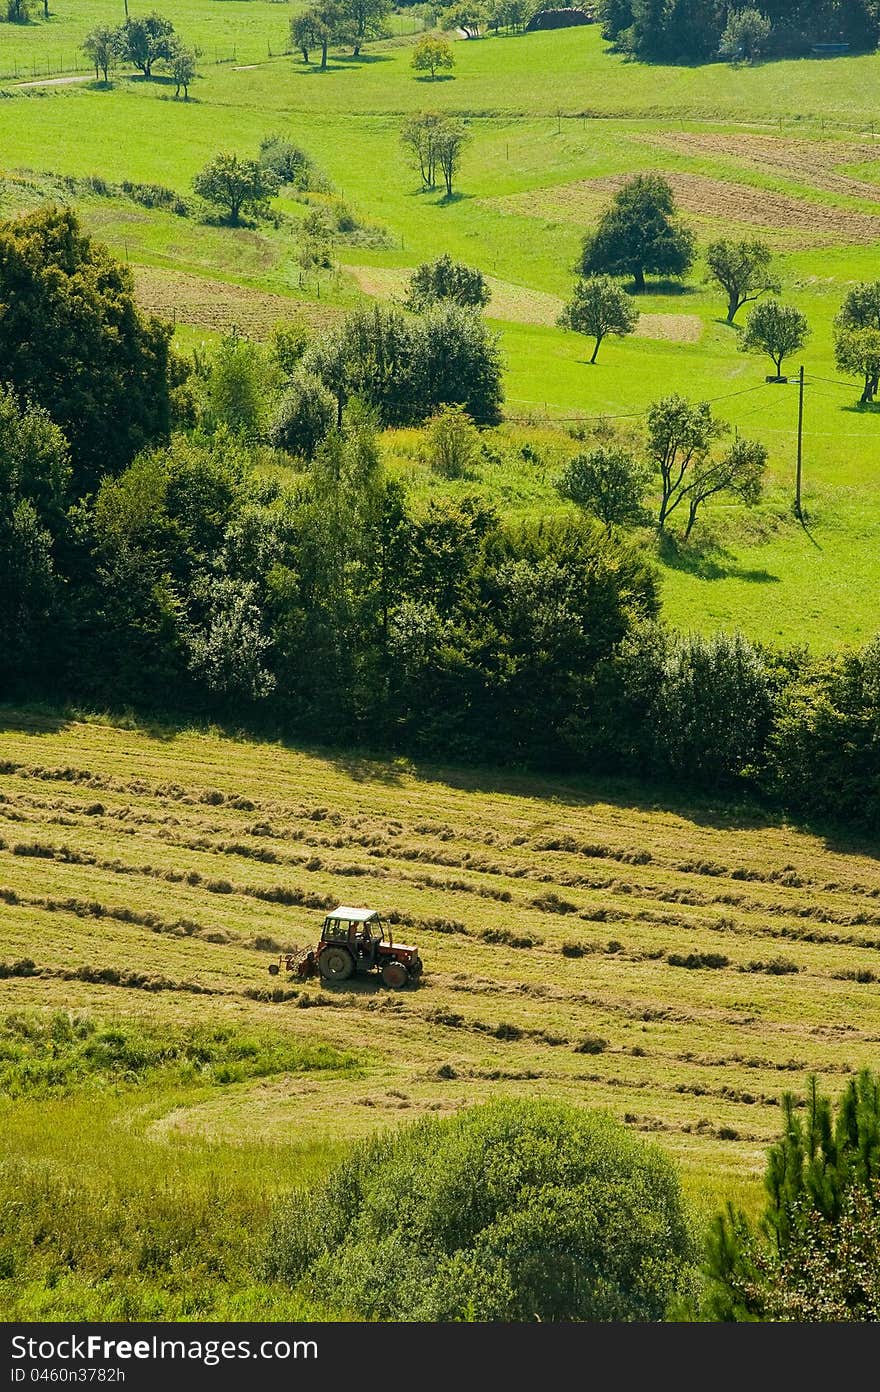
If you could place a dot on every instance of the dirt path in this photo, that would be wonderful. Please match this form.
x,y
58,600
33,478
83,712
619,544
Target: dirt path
x,y
56,81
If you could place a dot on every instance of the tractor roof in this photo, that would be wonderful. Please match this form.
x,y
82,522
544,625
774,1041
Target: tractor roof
x,y
353,915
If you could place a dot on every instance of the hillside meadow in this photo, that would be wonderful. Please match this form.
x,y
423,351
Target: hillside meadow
x,y
679,964
785,151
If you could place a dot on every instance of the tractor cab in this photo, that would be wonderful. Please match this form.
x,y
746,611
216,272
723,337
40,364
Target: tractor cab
x,y
360,930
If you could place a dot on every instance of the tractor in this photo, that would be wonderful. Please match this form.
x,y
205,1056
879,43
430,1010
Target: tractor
x,y
354,941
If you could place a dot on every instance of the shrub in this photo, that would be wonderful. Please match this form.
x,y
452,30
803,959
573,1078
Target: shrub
x,y
451,441
291,165
512,1211
445,279
306,413
746,37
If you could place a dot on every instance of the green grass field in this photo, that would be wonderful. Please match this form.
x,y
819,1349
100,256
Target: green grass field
x,y
783,150
680,964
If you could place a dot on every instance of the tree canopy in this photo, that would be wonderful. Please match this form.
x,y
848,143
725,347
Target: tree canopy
x,y
857,337
235,185
445,279
146,40
431,53
686,31
776,329
639,233
597,308
744,270
104,372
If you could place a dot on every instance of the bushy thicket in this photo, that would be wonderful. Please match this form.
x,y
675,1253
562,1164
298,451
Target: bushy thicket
x,y
513,1211
692,30
63,1052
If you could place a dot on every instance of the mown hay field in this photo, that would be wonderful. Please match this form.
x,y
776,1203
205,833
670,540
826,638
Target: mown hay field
x,y
679,966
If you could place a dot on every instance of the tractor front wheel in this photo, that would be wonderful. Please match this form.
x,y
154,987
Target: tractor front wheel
x,y
336,964
274,968
395,975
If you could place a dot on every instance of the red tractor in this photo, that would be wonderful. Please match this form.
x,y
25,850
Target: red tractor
x,y
354,940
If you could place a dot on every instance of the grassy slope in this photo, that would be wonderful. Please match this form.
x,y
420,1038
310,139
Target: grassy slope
x,y
768,576
100,825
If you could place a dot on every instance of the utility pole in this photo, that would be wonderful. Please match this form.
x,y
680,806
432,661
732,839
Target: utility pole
x,y
800,445
799,382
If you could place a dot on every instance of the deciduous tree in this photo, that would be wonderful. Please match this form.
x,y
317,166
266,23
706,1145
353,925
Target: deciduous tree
x,y
148,39
608,482
104,46
469,17
528,1210
744,270
449,142
183,67
746,37
73,340
325,23
234,185
679,436
857,336
431,53
639,233
445,279
368,21
305,416
776,329
857,353
597,308
418,136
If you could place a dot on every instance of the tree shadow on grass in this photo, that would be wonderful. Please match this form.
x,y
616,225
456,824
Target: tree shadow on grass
x,y
726,809
341,63
441,77
708,560
356,59
674,289
33,718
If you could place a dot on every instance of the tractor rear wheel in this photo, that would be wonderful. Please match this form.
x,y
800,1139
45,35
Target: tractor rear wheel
x,y
395,975
336,964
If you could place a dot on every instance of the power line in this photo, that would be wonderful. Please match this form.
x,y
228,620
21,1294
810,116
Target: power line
x,y
834,382
637,415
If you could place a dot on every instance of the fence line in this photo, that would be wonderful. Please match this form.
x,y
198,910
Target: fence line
x,y
70,64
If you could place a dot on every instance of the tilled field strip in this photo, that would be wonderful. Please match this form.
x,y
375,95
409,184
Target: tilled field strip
x,y
718,202
820,164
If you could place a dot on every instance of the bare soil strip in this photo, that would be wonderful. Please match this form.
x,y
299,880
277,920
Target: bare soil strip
x,y
219,306
718,205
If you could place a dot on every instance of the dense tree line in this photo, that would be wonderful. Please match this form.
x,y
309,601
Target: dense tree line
x,y
676,31
149,558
